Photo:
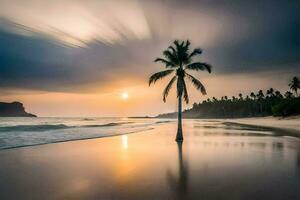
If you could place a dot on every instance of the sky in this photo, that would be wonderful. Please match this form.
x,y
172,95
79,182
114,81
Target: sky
x,y
78,58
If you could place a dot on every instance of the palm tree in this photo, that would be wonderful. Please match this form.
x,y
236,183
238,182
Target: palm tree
x,y
278,95
253,96
288,95
295,85
270,92
178,58
240,96
260,96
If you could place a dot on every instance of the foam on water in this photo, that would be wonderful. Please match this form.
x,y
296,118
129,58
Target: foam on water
x,y
18,132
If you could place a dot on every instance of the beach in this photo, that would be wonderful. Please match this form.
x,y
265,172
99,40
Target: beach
x,y
288,124
149,100
215,161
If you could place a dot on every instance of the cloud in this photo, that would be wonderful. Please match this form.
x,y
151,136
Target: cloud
x,y
85,46
76,22
41,63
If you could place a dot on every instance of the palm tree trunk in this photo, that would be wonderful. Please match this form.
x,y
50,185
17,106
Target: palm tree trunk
x,y
179,137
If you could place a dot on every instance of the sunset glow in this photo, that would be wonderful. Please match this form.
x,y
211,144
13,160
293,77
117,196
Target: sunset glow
x,y
124,95
82,54
149,99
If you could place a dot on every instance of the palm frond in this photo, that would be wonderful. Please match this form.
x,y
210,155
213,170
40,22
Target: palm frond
x,y
199,66
182,51
172,57
159,75
197,83
185,93
196,51
187,44
182,89
185,53
168,88
182,43
185,47
164,61
177,45
172,49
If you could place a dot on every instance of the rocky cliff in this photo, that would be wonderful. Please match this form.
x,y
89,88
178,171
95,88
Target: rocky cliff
x,y
14,109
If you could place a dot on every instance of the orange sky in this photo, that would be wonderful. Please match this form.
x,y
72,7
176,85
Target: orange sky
x,y
76,58
143,100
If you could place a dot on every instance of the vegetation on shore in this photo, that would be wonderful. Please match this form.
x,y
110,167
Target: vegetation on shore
x,y
253,105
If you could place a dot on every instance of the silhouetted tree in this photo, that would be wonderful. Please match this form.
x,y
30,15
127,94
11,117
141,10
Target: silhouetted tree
x,y
178,58
273,103
241,96
288,94
260,94
252,95
295,85
278,95
270,92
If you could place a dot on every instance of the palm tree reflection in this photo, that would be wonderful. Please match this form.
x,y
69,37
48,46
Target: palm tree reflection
x,y
179,184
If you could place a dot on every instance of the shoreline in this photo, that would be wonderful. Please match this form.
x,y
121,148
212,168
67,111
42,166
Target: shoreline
x,y
71,140
279,126
290,124
282,132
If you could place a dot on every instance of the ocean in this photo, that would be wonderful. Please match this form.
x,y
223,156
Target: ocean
x,y
19,131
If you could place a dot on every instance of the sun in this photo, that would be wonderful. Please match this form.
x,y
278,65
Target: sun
x,y
124,95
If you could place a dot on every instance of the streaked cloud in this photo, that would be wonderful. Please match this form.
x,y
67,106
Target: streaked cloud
x,y
76,22
94,47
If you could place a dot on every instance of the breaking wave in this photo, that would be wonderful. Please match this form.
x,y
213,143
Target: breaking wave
x,y
47,127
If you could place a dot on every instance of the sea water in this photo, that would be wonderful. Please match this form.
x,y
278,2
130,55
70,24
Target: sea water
x,y
19,131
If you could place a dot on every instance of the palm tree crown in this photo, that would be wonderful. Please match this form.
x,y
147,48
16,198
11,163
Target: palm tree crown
x,y
178,58
295,84
270,92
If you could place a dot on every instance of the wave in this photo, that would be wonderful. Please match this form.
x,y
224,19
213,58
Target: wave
x,y
43,127
88,119
59,140
47,127
108,124
162,122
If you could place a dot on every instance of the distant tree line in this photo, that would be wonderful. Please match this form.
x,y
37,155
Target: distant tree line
x,y
258,104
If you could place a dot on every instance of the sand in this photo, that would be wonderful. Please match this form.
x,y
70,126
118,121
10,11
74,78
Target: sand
x,y
290,123
214,162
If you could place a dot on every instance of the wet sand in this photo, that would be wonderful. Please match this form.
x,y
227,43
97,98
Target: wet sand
x,y
289,123
215,161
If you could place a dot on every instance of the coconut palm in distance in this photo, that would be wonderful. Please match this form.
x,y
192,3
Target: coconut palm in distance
x,y
295,85
178,59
